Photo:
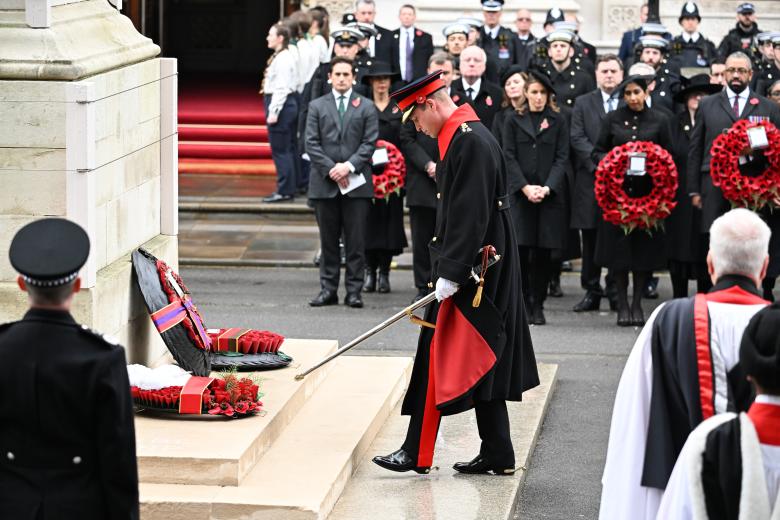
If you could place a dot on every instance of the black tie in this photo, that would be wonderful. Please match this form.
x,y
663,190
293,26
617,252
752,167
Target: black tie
x,y
470,93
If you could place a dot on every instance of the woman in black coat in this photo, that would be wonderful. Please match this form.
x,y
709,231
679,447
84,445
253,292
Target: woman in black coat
x,y
385,235
513,82
686,245
536,147
640,252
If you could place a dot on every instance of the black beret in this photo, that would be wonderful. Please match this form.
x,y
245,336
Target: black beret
x,y
49,252
759,352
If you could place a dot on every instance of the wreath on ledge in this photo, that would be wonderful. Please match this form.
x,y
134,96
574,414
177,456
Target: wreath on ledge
x,y
742,190
393,177
630,213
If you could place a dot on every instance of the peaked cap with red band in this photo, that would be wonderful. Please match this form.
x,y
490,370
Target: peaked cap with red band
x,y
416,92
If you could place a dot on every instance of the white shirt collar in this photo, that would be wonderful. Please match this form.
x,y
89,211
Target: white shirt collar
x,y
768,399
347,95
477,84
691,37
407,29
744,94
604,96
493,32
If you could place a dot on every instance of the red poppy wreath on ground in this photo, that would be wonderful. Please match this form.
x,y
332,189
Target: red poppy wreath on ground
x,y
743,191
393,177
628,212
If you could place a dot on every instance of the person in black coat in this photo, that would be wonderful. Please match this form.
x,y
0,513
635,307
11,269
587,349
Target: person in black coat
x,y
589,112
639,251
385,235
67,435
414,46
687,250
742,37
494,361
691,48
772,218
569,79
536,149
472,88
497,41
382,46
512,83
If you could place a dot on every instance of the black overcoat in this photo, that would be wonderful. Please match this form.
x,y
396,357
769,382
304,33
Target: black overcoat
x,y
639,250
472,183
67,437
419,150
715,114
487,103
500,51
538,155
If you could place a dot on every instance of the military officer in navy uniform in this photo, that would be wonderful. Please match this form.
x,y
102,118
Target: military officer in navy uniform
x,y
691,48
346,44
496,40
568,78
67,441
767,71
652,50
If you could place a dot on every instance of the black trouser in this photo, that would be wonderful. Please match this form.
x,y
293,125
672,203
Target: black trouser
x,y
378,259
284,148
423,223
536,269
335,216
590,276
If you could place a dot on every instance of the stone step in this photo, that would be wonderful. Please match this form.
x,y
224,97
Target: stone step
x,y
303,473
377,494
177,449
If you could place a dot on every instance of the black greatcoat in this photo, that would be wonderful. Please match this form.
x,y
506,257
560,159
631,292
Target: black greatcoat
x,y
639,250
486,105
67,436
501,51
714,115
419,150
537,155
472,181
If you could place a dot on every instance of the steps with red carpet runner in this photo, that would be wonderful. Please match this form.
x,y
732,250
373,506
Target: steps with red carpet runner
x,y
222,127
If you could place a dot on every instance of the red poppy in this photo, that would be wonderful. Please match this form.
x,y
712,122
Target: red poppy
x,y
242,407
393,176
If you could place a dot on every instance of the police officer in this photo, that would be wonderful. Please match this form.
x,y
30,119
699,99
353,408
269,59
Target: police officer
x,y
497,41
67,441
568,77
691,48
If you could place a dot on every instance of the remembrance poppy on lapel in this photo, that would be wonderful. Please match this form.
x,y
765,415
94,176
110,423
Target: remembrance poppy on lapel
x,y
489,101
545,124
754,101
395,110
455,98
356,102
418,32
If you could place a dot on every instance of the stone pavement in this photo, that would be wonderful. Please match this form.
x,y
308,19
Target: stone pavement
x,y
563,480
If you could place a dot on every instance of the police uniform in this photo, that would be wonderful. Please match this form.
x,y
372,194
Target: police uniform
x,y
689,53
67,440
571,82
320,84
739,39
494,361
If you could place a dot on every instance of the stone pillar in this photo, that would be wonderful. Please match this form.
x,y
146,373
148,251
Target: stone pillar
x,y
89,134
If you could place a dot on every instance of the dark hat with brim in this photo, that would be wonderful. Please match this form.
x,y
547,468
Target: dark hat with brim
x,y
415,93
49,252
348,18
759,351
380,69
492,6
746,8
534,76
639,79
511,71
689,10
553,15
456,28
699,83
366,29
349,35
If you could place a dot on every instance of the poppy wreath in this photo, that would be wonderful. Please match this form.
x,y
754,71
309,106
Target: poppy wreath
x,y
249,342
393,177
632,213
743,191
226,395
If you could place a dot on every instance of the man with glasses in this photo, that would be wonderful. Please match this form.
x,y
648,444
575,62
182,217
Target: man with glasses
x,y
742,37
524,39
717,113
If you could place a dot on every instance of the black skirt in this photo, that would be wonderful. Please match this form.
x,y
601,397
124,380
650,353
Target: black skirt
x,y
385,228
637,251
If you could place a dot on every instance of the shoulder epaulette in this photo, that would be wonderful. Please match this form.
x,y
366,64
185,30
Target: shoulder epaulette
x,y
108,340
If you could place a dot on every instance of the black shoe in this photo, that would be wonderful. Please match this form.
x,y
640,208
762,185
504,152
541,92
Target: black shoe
x,y
324,298
589,302
555,288
651,291
369,285
481,466
637,316
624,318
421,293
354,300
399,461
276,197
384,282
537,315
613,303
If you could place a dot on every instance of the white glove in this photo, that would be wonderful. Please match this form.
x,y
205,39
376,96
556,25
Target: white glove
x,y
445,288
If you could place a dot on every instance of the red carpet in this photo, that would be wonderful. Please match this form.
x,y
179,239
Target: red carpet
x,y
222,127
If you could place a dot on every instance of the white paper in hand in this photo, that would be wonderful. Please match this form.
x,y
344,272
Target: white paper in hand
x,y
356,180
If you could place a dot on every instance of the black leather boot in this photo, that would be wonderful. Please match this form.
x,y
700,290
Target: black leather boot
x,y
369,285
384,281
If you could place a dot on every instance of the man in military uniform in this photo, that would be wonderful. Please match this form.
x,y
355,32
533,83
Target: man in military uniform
x,y
582,49
691,48
524,38
768,70
568,78
497,41
346,44
742,37
480,354
652,51
472,88
67,440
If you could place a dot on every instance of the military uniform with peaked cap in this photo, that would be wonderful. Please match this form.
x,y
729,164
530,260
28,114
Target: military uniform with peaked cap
x,y
478,356
67,441
501,49
571,82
